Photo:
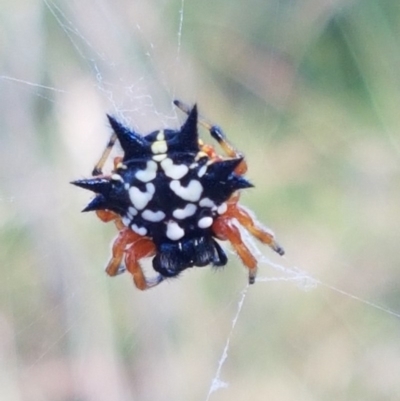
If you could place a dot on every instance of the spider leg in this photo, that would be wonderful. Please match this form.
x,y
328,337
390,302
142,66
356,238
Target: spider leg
x,y
142,248
217,133
245,218
99,165
106,216
124,238
224,229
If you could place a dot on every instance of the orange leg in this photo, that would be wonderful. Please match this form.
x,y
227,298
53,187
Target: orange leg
x,y
253,227
228,148
124,238
224,229
240,169
117,161
142,248
107,216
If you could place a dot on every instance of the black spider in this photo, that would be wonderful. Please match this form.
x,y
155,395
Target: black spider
x,y
171,196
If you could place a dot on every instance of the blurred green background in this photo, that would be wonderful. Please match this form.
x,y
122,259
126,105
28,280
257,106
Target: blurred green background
x,y
310,91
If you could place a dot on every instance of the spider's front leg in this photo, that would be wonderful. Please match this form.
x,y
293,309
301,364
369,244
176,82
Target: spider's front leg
x,y
142,248
98,168
106,216
245,218
224,229
217,133
124,238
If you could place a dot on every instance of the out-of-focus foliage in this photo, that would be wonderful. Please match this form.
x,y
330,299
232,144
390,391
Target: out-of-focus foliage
x,y
310,91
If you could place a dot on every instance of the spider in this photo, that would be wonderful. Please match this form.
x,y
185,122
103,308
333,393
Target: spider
x,y
171,196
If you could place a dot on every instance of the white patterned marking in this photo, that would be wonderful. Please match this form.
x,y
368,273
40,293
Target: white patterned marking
x,y
190,193
207,202
138,230
149,173
202,171
205,222
174,171
222,208
126,220
187,211
153,216
160,157
132,211
174,231
117,177
140,199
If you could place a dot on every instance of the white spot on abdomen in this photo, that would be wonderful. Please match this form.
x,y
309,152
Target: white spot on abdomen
x,y
189,210
140,199
205,222
132,211
160,157
153,216
222,208
174,231
139,230
126,220
202,171
149,173
174,171
190,193
117,177
207,202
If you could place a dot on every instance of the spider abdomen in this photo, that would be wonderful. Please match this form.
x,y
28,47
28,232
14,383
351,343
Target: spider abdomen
x,y
169,200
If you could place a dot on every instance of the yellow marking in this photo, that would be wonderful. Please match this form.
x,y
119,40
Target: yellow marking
x,y
159,147
160,157
160,136
200,155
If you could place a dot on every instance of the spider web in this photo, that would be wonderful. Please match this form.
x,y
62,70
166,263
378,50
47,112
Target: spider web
x,y
138,86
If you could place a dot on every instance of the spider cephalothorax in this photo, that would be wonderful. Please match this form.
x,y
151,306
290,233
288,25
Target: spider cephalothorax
x,y
171,196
